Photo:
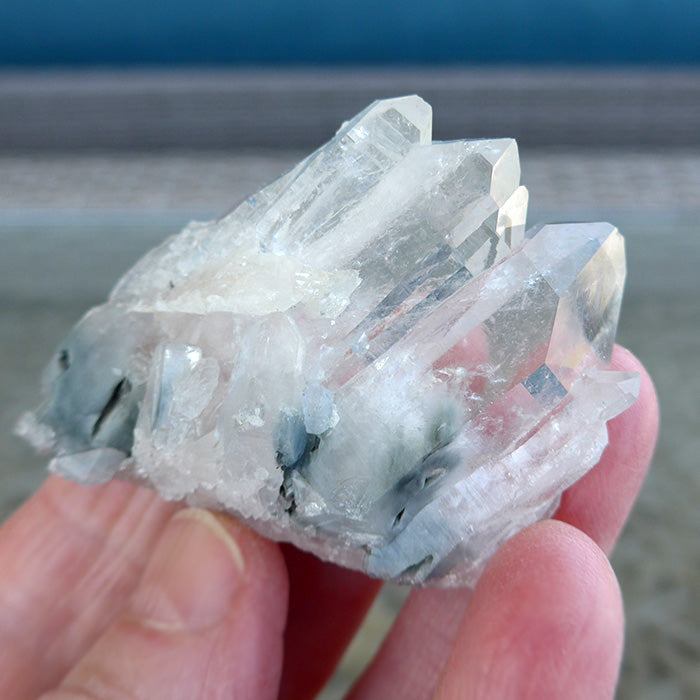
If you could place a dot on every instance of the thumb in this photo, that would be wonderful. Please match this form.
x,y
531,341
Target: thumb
x,y
206,620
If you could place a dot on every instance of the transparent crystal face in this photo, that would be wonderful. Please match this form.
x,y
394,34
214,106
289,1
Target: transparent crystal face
x,y
371,357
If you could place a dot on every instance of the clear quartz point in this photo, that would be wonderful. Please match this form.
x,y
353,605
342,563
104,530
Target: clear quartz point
x,y
371,357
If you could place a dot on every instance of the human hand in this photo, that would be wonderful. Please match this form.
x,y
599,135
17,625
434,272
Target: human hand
x,y
111,593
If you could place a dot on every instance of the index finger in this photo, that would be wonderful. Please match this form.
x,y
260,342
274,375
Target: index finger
x,y
599,503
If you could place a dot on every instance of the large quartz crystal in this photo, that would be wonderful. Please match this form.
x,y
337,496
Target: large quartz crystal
x,y
370,357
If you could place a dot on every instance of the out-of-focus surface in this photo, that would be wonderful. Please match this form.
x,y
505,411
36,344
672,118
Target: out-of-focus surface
x,y
252,109
71,223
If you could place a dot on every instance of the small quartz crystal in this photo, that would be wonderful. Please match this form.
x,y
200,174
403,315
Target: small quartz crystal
x,y
370,357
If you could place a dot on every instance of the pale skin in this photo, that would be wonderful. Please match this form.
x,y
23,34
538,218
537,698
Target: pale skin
x,y
111,593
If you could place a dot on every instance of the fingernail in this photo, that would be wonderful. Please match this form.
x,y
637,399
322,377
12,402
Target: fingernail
x,y
192,576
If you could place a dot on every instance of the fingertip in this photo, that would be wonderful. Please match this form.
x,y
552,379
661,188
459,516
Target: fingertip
x,y
201,562
643,415
547,554
552,570
599,503
545,621
263,557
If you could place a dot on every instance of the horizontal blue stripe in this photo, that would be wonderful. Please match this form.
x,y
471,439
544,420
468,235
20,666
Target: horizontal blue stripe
x,y
134,32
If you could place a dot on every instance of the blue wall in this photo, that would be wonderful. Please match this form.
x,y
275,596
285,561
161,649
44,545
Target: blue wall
x,y
137,32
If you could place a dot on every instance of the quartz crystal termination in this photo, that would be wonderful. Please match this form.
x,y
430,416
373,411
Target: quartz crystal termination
x,y
370,357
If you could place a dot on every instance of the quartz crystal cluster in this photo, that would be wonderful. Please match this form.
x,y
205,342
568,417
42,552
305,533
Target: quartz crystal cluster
x,y
370,357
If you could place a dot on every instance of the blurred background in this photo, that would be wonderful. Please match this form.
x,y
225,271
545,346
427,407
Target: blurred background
x,y
121,121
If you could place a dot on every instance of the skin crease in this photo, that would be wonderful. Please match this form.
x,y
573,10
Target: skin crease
x,y
101,597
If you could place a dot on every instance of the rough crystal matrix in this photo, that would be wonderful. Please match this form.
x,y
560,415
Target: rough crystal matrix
x,y
370,357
